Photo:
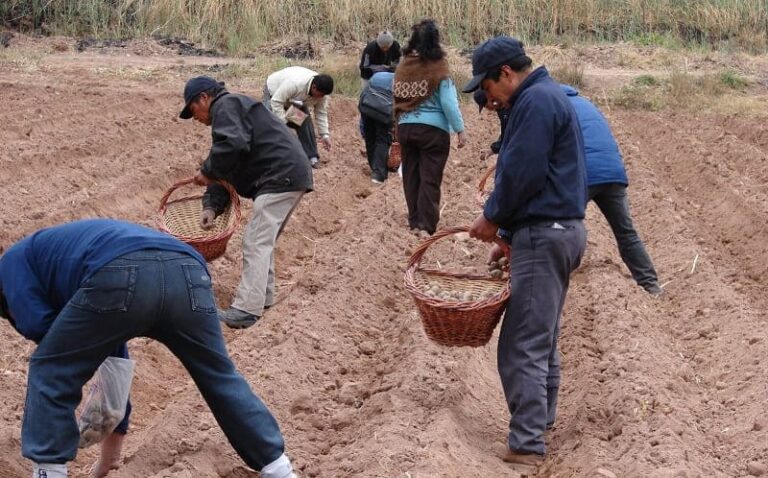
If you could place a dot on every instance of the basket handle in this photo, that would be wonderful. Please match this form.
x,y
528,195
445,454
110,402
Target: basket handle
x,y
233,197
415,260
481,186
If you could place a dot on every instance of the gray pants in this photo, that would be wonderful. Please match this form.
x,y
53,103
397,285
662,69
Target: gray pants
x,y
257,283
612,200
543,257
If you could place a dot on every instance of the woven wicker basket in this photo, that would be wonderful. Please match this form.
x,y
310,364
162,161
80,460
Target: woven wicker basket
x,y
482,195
181,218
451,322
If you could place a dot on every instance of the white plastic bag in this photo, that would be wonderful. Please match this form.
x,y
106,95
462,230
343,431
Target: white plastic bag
x,y
105,406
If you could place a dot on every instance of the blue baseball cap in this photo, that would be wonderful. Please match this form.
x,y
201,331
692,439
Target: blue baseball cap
x,y
194,87
489,55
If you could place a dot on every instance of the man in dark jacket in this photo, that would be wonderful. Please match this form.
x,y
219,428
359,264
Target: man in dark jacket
x,y
382,54
376,112
255,152
606,180
537,207
503,114
80,291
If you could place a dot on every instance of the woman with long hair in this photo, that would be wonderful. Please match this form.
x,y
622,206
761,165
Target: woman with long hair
x,y
426,109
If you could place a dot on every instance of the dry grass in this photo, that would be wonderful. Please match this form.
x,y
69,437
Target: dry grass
x,y
720,91
241,25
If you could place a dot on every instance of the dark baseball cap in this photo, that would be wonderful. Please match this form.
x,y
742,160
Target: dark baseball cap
x,y
489,55
480,99
194,87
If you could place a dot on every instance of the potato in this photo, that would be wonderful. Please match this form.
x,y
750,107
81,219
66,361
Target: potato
x,y
497,273
503,261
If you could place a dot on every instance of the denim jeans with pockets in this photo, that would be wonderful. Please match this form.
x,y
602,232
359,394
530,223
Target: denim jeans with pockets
x,y
166,296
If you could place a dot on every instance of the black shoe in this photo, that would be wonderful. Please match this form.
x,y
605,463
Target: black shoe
x,y
237,319
654,289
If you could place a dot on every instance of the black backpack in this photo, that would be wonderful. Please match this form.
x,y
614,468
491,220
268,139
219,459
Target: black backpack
x,y
377,104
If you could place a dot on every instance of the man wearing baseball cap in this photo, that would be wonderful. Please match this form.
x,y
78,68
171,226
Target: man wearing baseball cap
x,y
537,207
503,114
263,160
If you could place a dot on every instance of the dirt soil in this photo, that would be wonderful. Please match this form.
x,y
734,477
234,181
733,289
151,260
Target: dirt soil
x,y
669,387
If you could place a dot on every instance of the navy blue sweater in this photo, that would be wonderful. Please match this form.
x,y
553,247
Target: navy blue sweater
x,y
540,171
42,272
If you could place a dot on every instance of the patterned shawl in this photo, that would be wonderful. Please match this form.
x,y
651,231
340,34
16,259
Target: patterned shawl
x,y
416,80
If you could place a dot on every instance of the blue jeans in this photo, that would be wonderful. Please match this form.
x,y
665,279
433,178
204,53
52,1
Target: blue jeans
x,y
163,295
542,260
612,200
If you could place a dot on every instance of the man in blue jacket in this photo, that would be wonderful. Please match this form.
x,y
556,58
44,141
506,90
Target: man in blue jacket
x,y
81,290
537,207
606,180
376,115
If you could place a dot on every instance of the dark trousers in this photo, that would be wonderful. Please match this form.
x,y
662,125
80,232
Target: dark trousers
x,y
378,138
424,151
612,201
543,257
305,132
159,294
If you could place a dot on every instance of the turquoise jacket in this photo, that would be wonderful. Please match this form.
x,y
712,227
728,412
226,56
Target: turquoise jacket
x,y
440,110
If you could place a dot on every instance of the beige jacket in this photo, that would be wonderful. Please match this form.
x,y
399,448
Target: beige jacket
x,y
293,83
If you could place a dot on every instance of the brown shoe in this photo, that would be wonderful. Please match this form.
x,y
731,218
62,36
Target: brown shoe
x,y
524,463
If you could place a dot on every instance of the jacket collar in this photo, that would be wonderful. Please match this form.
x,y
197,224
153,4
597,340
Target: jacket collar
x,y
536,76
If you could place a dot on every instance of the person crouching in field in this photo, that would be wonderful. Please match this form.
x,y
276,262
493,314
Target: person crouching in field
x,y
376,113
261,158
381,55
80,291
607,182
427,111
306,90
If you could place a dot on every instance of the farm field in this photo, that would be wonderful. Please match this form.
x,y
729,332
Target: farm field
x,y
667,387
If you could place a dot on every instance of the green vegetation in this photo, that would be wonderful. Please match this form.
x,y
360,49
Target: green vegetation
x,y
680,90
238,26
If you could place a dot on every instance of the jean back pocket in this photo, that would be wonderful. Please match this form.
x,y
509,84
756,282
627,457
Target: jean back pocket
x,y
108,290
200,288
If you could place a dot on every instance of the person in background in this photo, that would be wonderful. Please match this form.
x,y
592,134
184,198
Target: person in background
x,y
81,290
503,115
382,54
309,91
427,111
376,112
537,207
606,180
262,159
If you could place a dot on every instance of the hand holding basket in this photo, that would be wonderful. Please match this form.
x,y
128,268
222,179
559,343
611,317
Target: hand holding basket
x,y
467,309
181,218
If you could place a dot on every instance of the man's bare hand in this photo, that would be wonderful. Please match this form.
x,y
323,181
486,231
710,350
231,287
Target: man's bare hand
x,y
207,218
483,229
486,154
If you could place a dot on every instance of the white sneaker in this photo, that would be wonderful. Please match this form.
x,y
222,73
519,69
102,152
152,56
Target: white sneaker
x,y
49,470
376,181
280,468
